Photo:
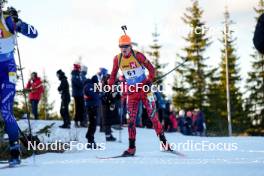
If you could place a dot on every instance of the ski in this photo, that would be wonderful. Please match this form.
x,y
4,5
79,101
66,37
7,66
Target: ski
x,y
6,166
113,157
122,156
174,152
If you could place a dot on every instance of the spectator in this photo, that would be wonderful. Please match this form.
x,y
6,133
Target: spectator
x,y
173,122
101,73
91,103
181,121
36,89
65,99
200,124
84,70
77,93
188,123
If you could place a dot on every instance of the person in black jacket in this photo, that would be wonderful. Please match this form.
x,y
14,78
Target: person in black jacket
x,y
65,99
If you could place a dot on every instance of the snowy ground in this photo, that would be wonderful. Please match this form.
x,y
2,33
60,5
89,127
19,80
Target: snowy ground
x,y
247,159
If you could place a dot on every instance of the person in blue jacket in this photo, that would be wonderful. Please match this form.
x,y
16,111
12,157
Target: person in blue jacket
x,y
77,94
10,24
91,102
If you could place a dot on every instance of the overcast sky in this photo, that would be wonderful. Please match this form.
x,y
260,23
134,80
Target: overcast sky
x,y
69,29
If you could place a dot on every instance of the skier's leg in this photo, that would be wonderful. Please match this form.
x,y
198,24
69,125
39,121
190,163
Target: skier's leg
x,y
7,99
132,108
149,102
7,94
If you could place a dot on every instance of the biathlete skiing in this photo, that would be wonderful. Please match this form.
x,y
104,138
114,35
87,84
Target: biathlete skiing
x,y
132,64
10,24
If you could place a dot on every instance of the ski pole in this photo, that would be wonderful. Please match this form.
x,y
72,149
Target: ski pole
x,y
23,84
24,93
124,28
166,74
25,139
121,121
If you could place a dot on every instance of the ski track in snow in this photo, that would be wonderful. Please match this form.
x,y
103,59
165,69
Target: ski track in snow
x,y
247,160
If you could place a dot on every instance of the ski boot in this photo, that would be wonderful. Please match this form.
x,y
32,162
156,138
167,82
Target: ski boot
x,y
15,154
131,150
164,143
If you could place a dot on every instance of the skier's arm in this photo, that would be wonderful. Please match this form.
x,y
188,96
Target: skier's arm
x,y
146,63
114,72
21,27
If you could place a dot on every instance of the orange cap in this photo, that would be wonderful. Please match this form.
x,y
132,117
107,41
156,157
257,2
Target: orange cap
x,y
124,40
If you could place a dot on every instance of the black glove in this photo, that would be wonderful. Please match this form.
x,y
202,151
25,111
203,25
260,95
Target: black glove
x,y
13,13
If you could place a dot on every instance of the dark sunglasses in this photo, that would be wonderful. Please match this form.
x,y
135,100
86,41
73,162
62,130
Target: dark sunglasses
x,y
124,46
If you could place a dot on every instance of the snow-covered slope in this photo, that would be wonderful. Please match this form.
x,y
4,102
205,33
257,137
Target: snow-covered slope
x,y
247,158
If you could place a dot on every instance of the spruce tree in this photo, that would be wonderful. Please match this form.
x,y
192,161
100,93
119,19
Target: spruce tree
x,y
216,123
19,111
193,71
181,99
155,57
45,107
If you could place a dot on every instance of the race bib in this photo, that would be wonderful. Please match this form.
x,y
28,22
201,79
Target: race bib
x,y
12,77
133,73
